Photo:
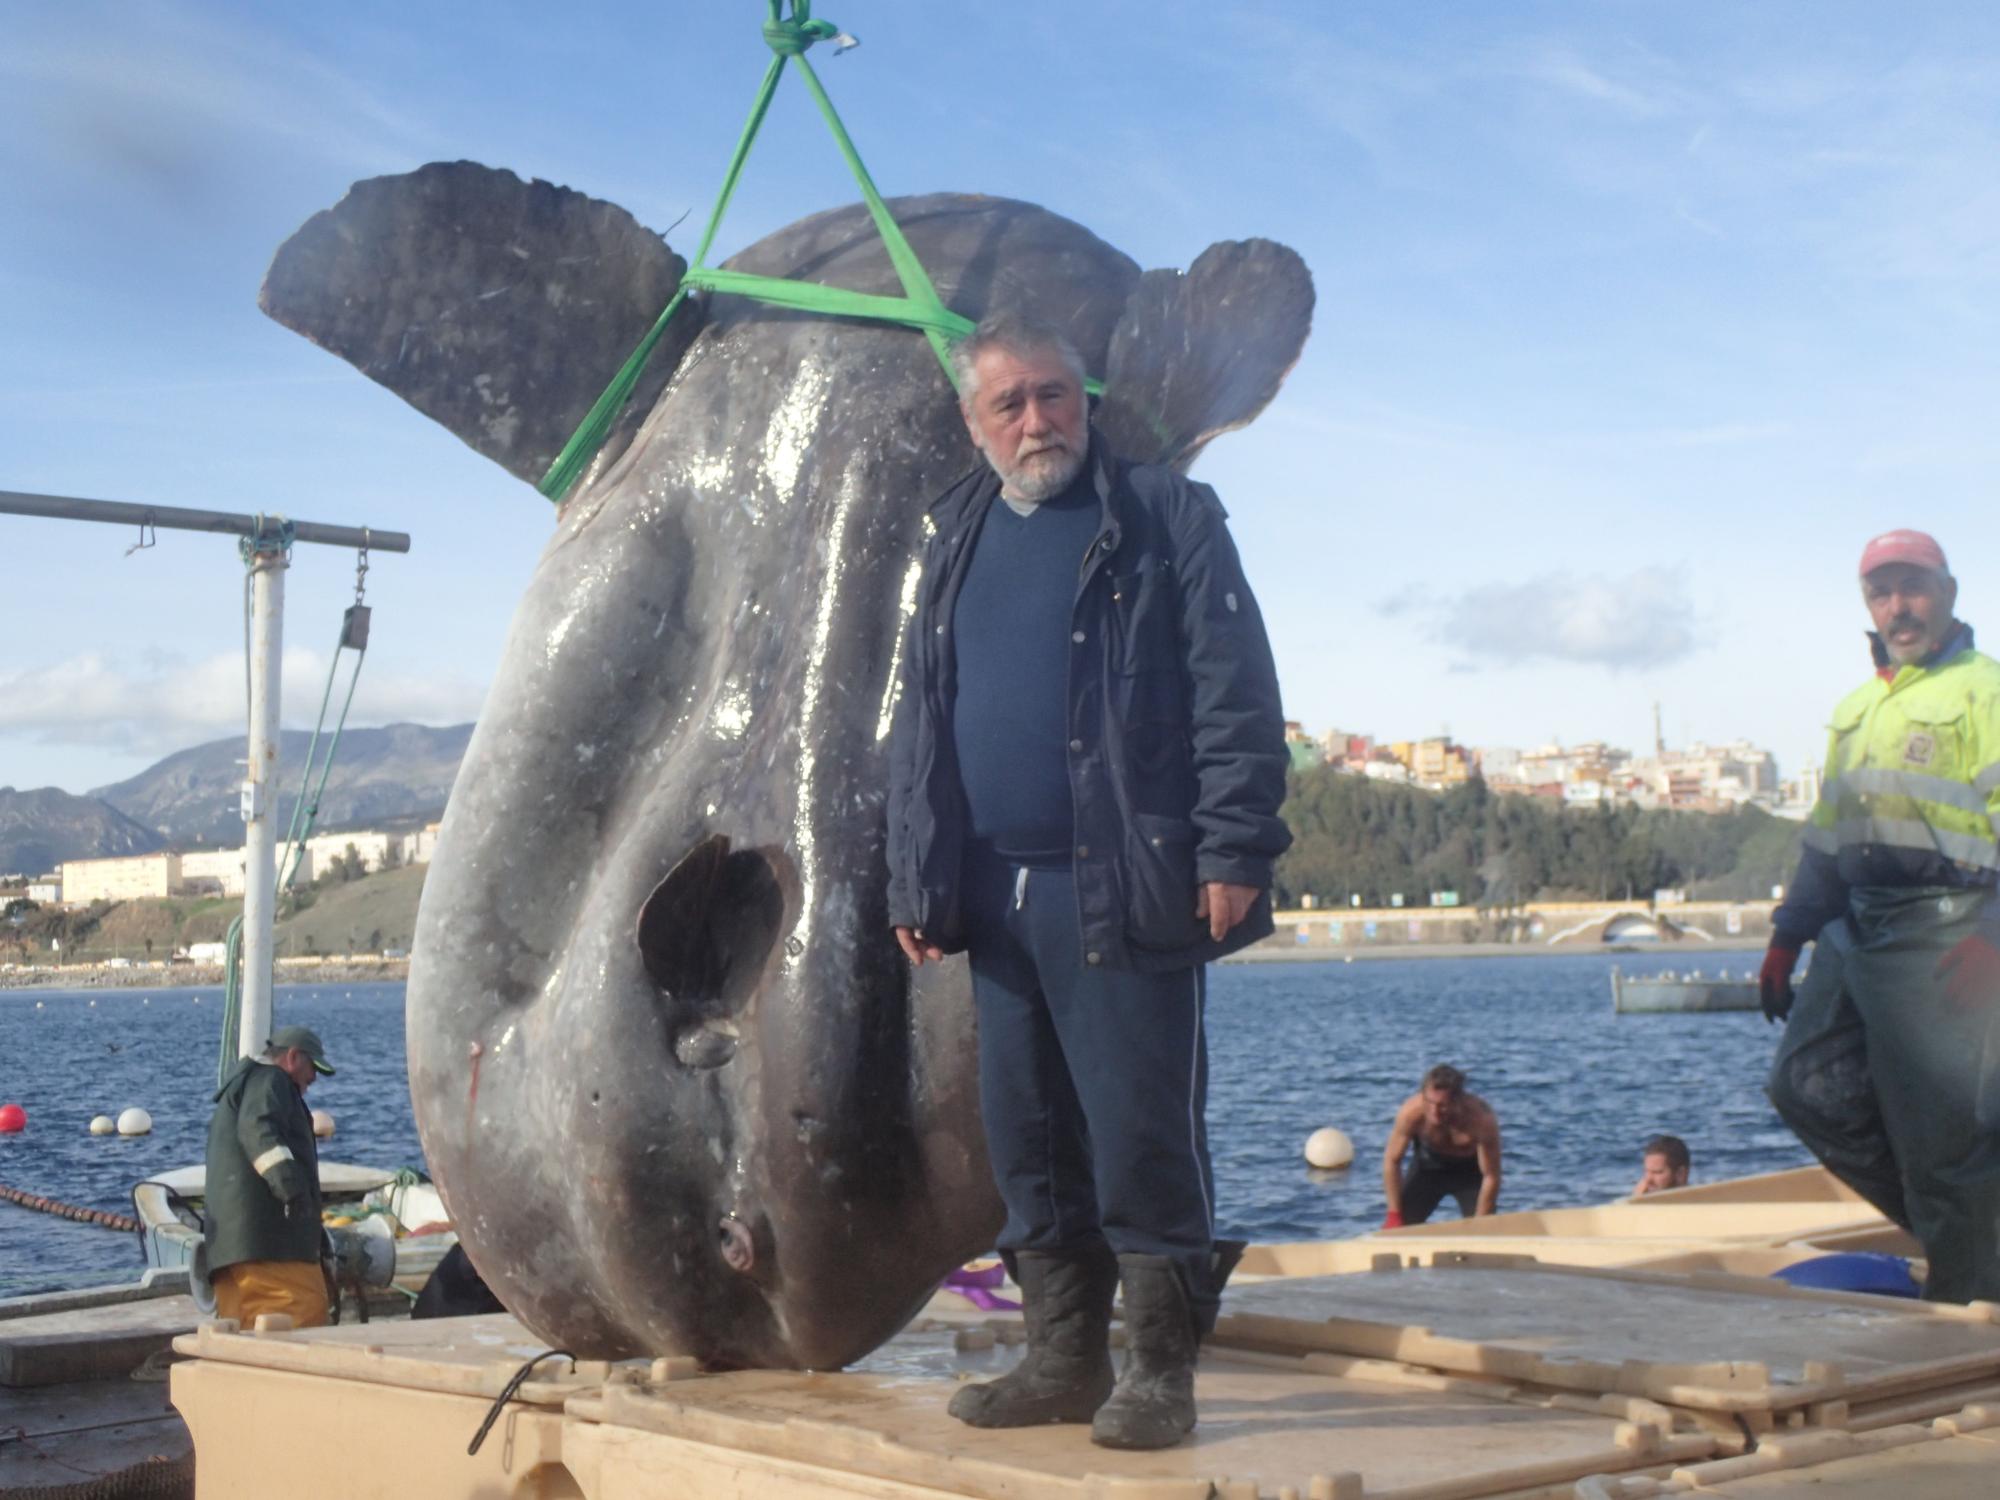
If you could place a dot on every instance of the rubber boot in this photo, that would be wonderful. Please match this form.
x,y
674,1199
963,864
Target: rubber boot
x,y
1153,1403
1066,1373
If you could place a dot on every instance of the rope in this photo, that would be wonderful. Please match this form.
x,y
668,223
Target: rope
x,y
789,37
267,534
305,810
232,998
155,1478
100,1217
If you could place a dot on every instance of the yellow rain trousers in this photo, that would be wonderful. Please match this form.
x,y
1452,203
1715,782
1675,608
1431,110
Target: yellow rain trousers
x,y
250,1287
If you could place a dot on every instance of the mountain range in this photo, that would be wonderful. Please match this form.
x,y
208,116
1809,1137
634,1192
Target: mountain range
x,y
399,773
41,829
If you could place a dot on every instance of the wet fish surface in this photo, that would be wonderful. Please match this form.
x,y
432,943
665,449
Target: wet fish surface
x,y
679,1090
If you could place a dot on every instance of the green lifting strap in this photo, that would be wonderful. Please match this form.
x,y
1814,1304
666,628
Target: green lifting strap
x,y
789,37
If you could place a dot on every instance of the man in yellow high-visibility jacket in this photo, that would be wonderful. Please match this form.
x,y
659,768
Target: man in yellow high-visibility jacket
x,y
1889,1069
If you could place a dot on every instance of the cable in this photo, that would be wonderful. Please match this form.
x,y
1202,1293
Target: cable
x,y
514,1383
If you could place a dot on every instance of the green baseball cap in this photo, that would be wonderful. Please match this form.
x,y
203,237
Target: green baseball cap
x,y
307,1041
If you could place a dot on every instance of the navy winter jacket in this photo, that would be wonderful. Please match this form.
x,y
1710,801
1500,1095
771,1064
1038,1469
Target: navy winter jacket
x,y
1177,753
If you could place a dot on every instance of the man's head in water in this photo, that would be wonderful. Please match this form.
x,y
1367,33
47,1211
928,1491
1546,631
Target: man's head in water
x,y
1444,1095
1666,1164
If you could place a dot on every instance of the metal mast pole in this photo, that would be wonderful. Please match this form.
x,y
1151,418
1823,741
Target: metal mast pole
x,y
266,543
268,561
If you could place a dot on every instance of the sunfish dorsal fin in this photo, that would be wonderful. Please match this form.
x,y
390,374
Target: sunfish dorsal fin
x,y
498,308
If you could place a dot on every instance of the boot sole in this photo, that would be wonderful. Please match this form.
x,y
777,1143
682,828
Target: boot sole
x,y
1141,1442
1024,1414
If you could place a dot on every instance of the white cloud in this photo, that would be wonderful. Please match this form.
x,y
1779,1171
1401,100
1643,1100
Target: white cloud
x,y
155,98
155,703
1644,619
1560,68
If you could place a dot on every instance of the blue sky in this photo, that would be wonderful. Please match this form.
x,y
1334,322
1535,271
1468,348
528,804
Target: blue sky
x,y
1634,321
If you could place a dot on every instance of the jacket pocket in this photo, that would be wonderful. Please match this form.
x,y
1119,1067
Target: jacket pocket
x,y
1159,882
1932,741
1145,605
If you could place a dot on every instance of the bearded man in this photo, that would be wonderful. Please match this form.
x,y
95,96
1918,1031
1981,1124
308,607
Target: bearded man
x,y
1088,761
1890,1065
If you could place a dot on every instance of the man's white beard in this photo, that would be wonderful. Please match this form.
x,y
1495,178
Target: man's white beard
x,y
1043,477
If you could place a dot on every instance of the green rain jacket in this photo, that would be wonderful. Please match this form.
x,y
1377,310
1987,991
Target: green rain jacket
x,y
262,1193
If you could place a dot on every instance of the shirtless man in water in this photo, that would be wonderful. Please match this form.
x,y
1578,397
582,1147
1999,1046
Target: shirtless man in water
x,y
1457,1139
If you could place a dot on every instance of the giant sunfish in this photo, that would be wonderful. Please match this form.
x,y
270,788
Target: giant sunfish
x,y
677,1087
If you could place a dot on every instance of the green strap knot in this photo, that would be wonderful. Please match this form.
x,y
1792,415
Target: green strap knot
x,y
790,36
919,308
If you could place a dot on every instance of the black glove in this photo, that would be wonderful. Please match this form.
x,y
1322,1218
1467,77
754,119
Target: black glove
x,y
1774,983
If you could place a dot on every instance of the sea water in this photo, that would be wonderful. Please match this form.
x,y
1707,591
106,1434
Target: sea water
x,y
1292,1047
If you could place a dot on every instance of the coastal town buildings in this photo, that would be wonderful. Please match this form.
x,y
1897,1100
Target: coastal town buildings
x,y
219,872
1699,777
129,878
1797,795
376,851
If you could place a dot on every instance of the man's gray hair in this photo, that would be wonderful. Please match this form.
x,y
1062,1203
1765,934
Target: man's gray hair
x,y
1017,333
274,1053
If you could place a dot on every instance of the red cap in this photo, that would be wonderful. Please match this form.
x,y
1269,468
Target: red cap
x,y
1917,548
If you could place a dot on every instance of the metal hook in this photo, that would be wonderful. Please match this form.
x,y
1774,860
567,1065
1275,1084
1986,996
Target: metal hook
x,y
354,622
149,536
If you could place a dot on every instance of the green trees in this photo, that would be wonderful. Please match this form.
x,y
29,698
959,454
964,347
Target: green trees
x,y
1357,837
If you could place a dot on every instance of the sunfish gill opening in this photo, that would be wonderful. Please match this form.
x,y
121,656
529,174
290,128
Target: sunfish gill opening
x,y
704,936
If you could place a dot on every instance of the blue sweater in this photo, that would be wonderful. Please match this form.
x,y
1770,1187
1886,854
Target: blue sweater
x,y
1012,629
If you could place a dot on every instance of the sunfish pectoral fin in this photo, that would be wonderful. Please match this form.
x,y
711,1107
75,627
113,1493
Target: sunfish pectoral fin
x,y
499,308
1199,353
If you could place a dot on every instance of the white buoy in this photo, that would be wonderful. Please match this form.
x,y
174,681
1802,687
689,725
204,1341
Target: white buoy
x,y
1329,1149
135,1121
103,1125
322,1124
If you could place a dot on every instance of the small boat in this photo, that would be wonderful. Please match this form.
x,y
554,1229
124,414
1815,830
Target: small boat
x,y
1658,994
386,1227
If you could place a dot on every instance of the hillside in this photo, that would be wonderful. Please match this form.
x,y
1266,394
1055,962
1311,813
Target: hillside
x,y
365,915
1356,837
118,929
399,772
41,829
368,915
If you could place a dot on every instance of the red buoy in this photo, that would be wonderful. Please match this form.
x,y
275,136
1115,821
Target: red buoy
x,y
13,1119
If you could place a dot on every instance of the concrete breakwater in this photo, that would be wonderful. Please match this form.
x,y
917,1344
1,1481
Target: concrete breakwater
x,y
359,969
1687,928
